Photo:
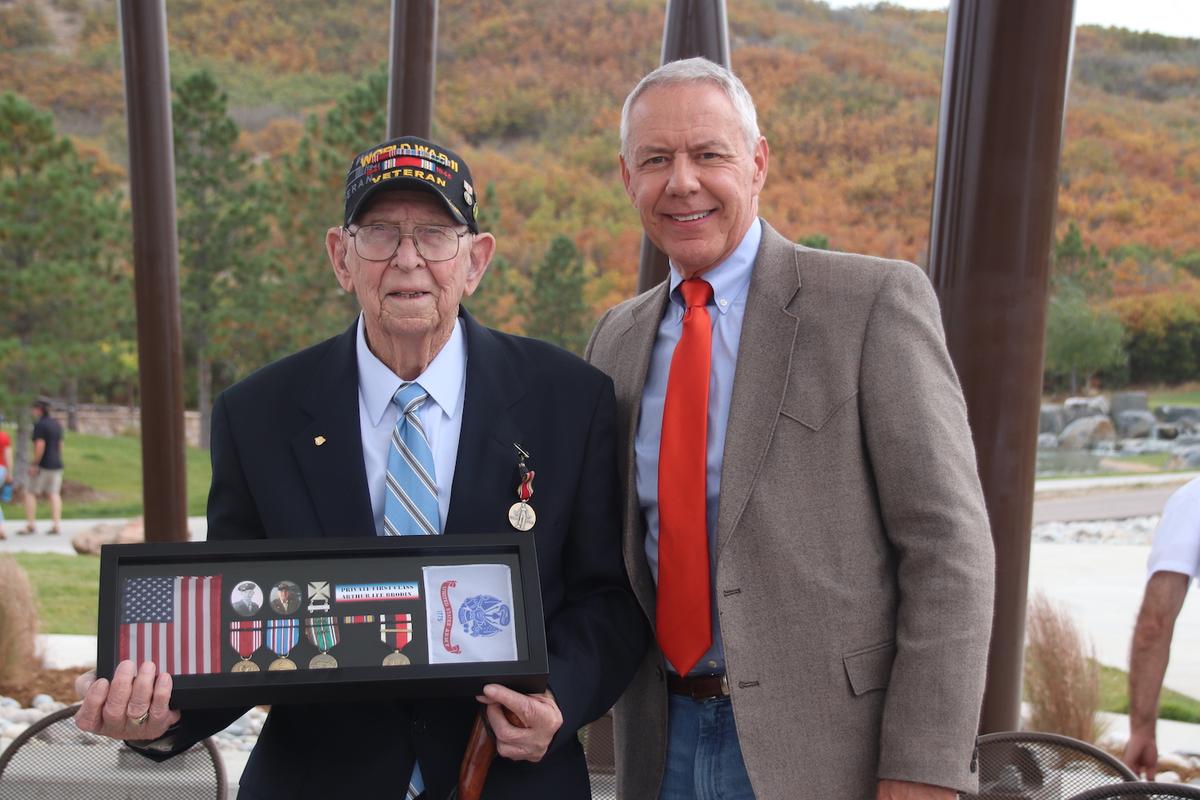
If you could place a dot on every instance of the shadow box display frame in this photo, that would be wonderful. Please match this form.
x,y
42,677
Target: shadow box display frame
x,y
355,617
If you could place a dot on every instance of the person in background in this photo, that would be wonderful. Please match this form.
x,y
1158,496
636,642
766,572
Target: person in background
x,y
5,471
1174,562
45,468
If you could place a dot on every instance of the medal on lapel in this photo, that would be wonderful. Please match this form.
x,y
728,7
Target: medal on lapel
x,y
521,515
246,636
323,633
282,636
398,637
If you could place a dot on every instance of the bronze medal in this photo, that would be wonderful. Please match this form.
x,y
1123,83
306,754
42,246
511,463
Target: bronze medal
x,y
522,516
282,664
245,665
396,659
322,661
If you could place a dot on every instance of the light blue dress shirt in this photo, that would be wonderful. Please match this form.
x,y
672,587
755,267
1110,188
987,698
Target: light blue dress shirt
x,y
441,415
729,281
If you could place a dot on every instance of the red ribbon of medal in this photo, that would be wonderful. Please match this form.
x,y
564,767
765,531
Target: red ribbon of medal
x,y
400,635
525,490
246,636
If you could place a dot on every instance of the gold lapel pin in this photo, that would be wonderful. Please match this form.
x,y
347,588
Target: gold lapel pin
x,y
319,440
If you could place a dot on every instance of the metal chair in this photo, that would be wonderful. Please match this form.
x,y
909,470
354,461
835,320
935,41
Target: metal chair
x,y
1042,766
54,759
1141,791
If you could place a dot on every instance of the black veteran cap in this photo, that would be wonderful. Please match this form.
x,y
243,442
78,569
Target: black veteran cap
x,y
412,163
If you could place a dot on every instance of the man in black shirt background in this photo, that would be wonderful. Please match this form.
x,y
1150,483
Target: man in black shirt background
x,y
45,468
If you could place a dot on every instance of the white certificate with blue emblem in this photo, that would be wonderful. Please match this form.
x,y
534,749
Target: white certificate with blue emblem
x,y
470,613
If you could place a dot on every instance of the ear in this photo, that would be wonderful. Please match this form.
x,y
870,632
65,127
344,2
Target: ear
x,y
626,178
483,247
762,155
335,246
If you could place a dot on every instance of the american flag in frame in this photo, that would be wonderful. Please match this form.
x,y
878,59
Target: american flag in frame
x,y
173,621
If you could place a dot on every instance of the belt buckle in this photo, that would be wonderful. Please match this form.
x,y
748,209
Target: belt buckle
x,y
725,685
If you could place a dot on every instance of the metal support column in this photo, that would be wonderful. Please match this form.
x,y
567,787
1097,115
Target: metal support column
x,y
412,54
1004,87
692,28
143,26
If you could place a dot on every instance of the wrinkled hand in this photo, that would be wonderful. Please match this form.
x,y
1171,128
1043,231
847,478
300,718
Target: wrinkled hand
x,y
537,719
906,790
112,708
1141,754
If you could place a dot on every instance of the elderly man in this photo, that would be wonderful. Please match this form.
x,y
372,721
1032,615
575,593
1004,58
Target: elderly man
x,y
304,448
1173,564
804,524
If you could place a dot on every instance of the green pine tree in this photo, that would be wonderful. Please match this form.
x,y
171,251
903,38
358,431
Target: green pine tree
x,y
492,304
219,230
554,307
64,296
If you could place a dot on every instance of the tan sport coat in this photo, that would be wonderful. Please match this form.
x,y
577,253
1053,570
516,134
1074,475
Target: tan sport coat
x,y
854,567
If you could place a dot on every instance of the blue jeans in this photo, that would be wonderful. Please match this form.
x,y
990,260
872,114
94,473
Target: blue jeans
x,y
704,759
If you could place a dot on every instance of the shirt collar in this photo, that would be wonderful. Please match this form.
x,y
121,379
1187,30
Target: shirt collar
x,y
730,278
442,379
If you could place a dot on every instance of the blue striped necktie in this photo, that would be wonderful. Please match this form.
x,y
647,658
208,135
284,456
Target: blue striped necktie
x,y
410,507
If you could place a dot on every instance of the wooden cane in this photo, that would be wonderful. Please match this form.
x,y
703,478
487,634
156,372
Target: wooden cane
x,y
480,752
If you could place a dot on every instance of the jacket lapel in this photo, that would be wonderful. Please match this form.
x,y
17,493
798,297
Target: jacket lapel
x,y
486,461
640,329
329,448
761,377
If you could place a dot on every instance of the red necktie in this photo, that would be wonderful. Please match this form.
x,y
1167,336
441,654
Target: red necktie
x,y
684,611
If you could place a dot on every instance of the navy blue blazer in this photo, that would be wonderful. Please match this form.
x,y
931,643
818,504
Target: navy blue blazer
x,y
270,481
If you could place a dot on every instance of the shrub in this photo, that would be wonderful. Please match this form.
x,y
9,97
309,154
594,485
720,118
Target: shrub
x,y
18,623
1062,678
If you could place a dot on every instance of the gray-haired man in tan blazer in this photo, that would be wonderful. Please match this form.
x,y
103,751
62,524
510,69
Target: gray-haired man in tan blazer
x,y
803,520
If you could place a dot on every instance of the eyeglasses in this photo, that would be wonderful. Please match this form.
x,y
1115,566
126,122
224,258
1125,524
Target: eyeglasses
x,y
380,242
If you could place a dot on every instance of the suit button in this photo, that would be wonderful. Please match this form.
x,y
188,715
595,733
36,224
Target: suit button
x,y
418,726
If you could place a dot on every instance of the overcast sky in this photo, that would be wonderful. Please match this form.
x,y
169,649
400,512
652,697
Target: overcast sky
x,y
1170,17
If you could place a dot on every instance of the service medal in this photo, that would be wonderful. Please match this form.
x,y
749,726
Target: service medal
x,y
520,514
323,633
282,636
322,661
246,636
397,636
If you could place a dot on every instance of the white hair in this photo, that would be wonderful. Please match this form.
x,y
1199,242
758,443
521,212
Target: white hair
x,y
696,70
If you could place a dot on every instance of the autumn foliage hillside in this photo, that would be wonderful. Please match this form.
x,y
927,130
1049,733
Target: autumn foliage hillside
x,y
530,92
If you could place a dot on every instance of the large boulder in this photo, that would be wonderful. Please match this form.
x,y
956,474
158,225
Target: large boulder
x,y
1053,420
1178,413
87,543
1081,407
1129,401
1086,433
1135,424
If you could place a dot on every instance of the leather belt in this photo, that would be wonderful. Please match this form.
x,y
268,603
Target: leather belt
x,y
699,687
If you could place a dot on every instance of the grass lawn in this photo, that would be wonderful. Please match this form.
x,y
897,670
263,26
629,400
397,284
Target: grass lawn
x,y
1187,394
1114,697
112,467
66,589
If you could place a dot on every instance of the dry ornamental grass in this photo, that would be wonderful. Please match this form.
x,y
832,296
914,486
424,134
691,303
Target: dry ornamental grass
x,y
18,623
1062,677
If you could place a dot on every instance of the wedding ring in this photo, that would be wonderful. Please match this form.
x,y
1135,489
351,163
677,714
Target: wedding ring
x,y
142,719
